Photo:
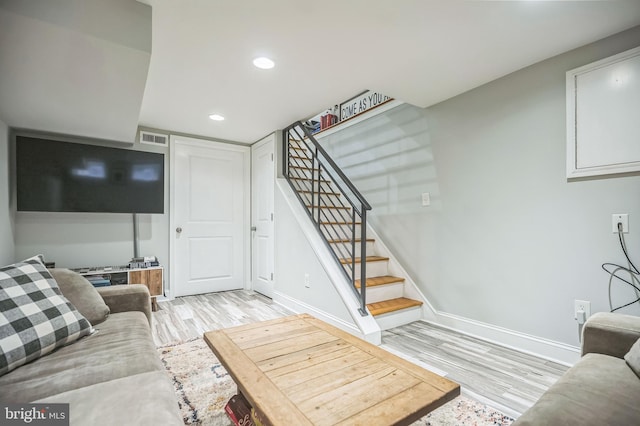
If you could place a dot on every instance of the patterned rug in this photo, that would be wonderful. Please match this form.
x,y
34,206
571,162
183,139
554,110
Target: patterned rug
x,y
203,387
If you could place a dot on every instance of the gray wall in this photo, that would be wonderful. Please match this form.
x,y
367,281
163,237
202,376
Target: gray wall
x,y
7,249
507,239
294,257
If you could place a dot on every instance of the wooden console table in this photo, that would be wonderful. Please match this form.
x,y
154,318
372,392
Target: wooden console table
x,y
299,370
152,277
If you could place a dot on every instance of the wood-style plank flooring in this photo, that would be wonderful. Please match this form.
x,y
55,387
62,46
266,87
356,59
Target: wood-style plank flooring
x,y
510,379
186,318
503,378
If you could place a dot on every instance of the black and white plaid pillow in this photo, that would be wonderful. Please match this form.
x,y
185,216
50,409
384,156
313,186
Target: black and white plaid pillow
x,y
35,318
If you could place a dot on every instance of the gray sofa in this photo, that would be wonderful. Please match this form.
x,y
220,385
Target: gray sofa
x,y
602,388
111,377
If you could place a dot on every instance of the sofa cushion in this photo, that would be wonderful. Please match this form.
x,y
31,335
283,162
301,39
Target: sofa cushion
x,y
598,390
81,294
141,399
633,358
121,346
35,318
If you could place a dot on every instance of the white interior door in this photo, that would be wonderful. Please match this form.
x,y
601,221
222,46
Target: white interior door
x,y
262,183
210,216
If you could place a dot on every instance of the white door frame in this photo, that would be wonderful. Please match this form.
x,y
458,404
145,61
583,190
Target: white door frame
x,y
246,238
271,139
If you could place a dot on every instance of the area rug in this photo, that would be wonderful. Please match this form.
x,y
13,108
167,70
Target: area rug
x,y
203,387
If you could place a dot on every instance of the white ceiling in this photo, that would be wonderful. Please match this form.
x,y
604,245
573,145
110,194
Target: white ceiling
x,y
419,51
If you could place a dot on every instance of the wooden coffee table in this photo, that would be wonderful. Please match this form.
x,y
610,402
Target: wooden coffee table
x,y
299,370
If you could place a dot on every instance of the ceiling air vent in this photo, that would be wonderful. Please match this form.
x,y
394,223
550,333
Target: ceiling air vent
x,y
153,138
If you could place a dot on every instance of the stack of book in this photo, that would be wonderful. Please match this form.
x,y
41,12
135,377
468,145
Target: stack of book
x,y
98,280
143,262
313,126
241,413
328,120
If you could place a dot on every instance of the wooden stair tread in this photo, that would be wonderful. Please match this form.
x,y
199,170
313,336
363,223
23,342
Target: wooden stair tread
x,y
346,261
346,240
392,305
292,166
382,280
308,179
336,194
338,223
330,207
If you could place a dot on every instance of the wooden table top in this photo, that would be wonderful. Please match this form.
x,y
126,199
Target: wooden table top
x,y
299,370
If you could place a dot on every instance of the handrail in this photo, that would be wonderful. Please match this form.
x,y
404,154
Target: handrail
x,y
342,176
330,219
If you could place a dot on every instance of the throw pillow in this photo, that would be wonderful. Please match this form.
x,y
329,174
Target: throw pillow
x,y
81,294
35,318
633,358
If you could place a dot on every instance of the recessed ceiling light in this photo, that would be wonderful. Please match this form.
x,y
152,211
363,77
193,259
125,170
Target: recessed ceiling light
x,y
216,117
263,63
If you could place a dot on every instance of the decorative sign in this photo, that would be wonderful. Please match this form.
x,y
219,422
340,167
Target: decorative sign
x,y
362,103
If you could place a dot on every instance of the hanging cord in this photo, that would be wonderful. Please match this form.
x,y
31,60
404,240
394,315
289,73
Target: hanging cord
x,y
612,269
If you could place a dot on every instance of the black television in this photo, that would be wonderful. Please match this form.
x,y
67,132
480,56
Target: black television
x,y
57,176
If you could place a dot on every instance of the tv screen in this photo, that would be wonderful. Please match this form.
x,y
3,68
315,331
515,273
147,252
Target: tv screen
x,y
54,176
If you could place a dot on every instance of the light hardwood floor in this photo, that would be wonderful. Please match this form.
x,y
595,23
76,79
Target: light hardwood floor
x,y
510,379
503,378
186,318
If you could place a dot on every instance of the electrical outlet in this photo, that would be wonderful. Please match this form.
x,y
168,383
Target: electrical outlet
x,y
426,199
307,284
622,218
581,305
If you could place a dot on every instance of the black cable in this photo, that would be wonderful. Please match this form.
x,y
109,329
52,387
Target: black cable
x,y
624,250
618,268
624,306
613,273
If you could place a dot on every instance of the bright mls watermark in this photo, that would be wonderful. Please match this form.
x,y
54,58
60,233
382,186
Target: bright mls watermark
x,y
34,414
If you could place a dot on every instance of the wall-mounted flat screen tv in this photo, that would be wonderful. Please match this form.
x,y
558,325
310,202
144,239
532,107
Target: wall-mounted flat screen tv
x,y
55,176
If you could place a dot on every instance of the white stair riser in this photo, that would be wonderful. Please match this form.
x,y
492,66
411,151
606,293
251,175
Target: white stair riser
x,y
297,143
336,232
331,215
309,185
398,318
305,173
381,293
298,158
374,269
325,199
344,249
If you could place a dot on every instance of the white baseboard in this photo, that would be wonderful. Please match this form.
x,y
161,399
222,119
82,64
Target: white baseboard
x,y
300,307
560,353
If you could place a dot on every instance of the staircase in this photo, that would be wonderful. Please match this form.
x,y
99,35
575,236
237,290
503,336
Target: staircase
x,y
339,213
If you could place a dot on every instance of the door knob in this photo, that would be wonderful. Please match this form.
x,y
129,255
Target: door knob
x,y
254,229
178,229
